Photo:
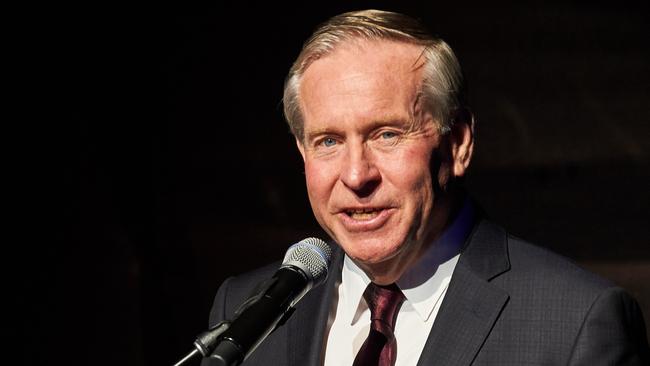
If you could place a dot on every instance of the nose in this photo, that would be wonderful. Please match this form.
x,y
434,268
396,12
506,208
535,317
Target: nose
x,y
359,173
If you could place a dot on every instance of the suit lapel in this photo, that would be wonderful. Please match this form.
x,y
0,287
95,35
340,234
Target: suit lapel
x,y
472,304
306,328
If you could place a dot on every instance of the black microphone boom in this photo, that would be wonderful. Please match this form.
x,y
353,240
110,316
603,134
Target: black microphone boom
x,y
304,267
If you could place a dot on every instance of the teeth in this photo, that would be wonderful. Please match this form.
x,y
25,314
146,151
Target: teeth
x,y
363,214
362,210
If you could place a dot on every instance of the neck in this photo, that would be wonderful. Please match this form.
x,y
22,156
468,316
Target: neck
x,y
444,212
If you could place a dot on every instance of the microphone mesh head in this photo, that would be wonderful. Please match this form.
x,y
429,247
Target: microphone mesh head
x,y
311,255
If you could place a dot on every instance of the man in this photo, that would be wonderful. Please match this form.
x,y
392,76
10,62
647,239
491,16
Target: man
x,y
377,108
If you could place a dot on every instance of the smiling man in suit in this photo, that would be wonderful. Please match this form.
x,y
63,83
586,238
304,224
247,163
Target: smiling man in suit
x,y
378,111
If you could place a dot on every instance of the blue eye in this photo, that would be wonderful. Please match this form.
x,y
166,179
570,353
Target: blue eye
x,y
329,142
388,135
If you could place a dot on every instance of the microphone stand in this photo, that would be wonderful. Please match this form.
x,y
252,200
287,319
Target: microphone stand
x,y
205,342
189,356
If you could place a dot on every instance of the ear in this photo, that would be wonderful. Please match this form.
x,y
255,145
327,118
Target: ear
x,y
301,148
461,139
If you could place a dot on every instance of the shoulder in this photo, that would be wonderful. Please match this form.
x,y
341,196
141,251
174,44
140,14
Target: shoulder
x,y
247,281
235,290
587,315
519,266
539,283
530,262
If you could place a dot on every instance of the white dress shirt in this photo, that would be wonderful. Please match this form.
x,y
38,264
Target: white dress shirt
x,y
424,286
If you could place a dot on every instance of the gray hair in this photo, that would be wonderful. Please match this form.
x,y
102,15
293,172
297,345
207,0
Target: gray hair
x,y
441,89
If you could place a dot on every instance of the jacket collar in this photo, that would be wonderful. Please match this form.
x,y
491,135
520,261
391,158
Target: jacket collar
x,y
472,304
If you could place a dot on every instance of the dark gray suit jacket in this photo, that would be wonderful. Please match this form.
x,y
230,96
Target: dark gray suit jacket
x,y
508,303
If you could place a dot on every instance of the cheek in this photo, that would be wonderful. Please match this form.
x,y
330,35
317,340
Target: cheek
x,y
319,178
414,180
412,171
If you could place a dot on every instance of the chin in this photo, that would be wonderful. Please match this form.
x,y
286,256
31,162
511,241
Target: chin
x,y
371,252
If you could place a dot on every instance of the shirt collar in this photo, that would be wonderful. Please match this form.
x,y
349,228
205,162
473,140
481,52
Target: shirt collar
x,y
354,282
424,283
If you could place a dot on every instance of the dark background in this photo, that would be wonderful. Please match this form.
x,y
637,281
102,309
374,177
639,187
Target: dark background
x,y
175,169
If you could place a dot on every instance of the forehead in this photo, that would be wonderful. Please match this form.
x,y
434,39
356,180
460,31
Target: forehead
x,y
362,77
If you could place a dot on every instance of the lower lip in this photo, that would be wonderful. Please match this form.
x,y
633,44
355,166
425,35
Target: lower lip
x,y
356,226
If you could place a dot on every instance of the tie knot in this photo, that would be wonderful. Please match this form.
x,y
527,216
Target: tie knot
x,y
384,303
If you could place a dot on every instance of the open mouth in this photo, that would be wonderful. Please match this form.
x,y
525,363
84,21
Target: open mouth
x,y
363,214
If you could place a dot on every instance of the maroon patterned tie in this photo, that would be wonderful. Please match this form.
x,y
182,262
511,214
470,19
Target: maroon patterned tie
x,y
380,349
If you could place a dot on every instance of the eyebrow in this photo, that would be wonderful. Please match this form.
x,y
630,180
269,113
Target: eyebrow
x,y
387,120
321,131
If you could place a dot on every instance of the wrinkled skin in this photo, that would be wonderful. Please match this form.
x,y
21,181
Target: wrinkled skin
x,y
376,164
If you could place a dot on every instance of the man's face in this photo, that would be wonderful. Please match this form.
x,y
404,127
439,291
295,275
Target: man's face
x,y
368,151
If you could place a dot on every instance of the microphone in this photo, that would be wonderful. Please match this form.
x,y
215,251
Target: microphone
x,y
229,343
